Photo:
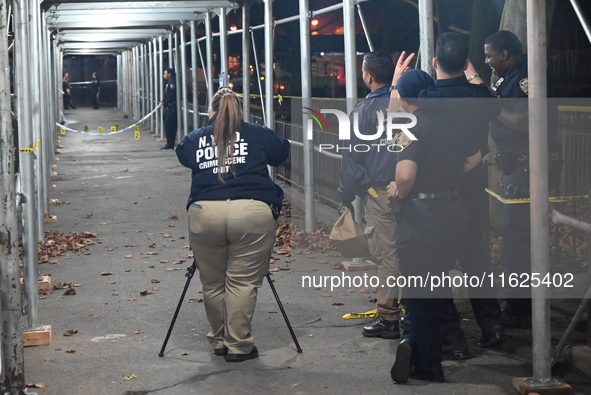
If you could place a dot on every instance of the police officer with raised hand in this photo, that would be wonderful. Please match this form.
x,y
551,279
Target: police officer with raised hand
x,y
475,104
510,133
366,174
170,109
431,223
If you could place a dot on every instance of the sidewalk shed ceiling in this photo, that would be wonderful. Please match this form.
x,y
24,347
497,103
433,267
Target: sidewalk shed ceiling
x,y
87,26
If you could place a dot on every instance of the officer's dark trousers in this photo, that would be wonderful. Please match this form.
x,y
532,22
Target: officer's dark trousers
x,y
430,234
516,240
474,254
95,100
170,128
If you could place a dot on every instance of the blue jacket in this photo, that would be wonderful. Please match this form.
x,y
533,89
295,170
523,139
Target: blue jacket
x,y
377,166
255,148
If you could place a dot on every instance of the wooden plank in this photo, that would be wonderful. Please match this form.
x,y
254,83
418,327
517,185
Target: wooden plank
x,y
38,338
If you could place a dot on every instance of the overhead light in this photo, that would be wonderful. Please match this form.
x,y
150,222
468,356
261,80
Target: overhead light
x,y
233,28
314,22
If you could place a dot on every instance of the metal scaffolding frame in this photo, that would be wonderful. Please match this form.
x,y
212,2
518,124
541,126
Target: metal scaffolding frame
x,y
58,29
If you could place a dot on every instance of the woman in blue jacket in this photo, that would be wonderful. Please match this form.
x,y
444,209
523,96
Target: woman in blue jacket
x,y
232,211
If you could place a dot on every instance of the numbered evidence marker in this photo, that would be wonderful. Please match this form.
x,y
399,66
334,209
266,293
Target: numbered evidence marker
x,y
117,127
62,131
86,128
136,132
113,129
100,130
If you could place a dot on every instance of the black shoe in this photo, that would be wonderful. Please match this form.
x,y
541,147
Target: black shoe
x,y
167,147
511,320
400,371
457,353
494,338
435,373
242,357
74,107
382,328
221,351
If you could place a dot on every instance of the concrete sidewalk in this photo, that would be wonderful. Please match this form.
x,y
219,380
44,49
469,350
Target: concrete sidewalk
x,y
126,191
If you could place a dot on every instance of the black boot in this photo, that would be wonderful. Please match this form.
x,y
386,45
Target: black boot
x,y
382,328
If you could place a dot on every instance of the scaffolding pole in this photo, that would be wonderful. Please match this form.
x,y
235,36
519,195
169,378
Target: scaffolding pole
x,y
194,76
538,178
306,102
270,121
183,86
246,61
25,98
12,363
427,45
209,57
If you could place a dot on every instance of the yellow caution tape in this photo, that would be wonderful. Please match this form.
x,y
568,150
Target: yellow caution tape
x,y
367,314
133,376
27,150
556,199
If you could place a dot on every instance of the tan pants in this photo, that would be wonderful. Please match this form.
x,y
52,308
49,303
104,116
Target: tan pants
x,y
232,242
380,232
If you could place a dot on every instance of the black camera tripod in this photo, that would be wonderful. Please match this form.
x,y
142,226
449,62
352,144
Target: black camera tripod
x,y
190,272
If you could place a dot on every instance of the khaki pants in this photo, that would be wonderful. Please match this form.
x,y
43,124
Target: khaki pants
x,y
380,232
232,242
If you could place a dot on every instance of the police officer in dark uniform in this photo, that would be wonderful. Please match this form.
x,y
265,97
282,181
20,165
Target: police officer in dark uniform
x,y
366,173
66,89
95,89
510,132
430,224
169,104
469,102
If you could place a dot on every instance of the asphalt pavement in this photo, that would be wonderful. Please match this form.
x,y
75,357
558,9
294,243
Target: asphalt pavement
x,y
132,195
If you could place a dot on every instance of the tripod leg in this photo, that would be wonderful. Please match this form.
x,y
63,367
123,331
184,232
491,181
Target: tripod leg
x,y
189,275
293,336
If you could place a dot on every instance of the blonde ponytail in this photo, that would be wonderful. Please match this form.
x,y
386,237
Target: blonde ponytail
x,y
227,119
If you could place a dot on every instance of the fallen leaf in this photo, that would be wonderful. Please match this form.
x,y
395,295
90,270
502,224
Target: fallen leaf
x,y
196,300
53,261
169,269
174,216
337,304
106,274
70,291
37,385
132,299
144,292
283,268
103,223
128,256
185,353
71,351
151,253
164,261
155,281
70,332
88,216
138,332
327,295
166,235
274,270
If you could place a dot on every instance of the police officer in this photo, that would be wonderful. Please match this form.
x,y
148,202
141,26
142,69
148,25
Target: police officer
x,y
504,55
95,89
169,104
66,89
366,174
469,102
431,222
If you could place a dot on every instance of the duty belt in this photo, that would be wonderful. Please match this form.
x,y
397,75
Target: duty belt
x,y
450,194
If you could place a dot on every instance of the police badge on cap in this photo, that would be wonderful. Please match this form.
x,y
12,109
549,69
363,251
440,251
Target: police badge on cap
x,y
524,85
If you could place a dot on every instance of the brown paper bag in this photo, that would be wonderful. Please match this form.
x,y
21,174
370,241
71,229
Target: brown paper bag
x,y
348,236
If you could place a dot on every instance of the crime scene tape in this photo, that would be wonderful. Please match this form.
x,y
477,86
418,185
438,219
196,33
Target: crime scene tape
x,y
557,199
100,133
367,314
27,150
